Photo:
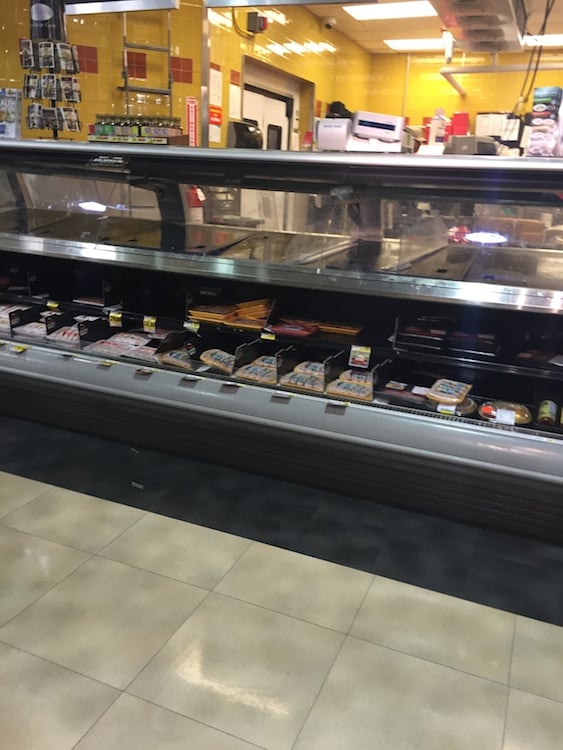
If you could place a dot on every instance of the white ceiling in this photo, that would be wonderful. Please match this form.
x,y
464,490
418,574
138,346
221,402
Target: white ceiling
x,y
370,34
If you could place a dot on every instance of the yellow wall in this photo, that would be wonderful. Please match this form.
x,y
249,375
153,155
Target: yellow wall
x,y
349,74
426,89
292,45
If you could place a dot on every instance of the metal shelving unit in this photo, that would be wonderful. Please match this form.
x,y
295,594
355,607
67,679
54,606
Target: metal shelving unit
x,y
128,46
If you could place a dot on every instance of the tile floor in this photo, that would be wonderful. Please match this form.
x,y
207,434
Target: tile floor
x,y
121,628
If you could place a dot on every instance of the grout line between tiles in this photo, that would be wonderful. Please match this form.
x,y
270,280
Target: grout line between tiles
x,y
196,721
45,539
346,635
430,661
117,697
316,698
111,541
251,543
44,492
152,572
61,666
278,612
166,642
509,681
90,556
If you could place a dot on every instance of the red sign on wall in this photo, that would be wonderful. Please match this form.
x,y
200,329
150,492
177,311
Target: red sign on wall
x,y
191,119
215,115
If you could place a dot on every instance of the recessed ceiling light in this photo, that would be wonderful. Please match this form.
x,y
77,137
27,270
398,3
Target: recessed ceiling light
x,y
547,40
383,11
415,45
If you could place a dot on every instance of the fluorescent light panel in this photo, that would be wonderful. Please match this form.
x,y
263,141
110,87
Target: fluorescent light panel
x,y
415,45
547,40
386,11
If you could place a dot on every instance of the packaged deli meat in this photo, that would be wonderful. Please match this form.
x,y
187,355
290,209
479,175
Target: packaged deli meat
x,y
448,391
257,374
107,348
67,335
219,360
303,382
33,330
310,368
356,376
146,353
265,361
177,358
129,339
347,389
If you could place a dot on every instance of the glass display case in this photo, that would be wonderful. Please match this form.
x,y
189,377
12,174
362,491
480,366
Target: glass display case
x,y
387,326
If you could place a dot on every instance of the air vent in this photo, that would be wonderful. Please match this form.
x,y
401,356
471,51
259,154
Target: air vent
x,y
460,17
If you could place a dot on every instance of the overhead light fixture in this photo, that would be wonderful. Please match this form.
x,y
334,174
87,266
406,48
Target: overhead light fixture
x,y
388,11
415,45
547,40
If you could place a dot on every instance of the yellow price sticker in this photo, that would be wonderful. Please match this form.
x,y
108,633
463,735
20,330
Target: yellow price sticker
x,y
115,319
191,325
19,348
105,363
268,336
52,305
149,324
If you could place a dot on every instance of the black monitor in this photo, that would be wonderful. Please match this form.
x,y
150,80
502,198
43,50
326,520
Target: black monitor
x,y
244,134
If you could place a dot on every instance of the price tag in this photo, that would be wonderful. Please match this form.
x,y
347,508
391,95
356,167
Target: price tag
x,y
445,408
115,319
359,356
191,325
419,390
52,305
19,348
266,336
505,416
105,363
149,324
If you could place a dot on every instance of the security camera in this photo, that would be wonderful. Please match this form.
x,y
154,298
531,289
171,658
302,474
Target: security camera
x,y
329,23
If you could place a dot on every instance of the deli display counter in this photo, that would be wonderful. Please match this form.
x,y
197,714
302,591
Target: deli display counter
x,y
382,326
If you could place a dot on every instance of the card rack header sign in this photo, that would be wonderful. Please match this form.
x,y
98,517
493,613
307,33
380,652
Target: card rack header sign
x,y
85,7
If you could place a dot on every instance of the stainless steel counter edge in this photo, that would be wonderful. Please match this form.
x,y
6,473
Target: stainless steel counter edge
x,y
485,173
476,445
385,285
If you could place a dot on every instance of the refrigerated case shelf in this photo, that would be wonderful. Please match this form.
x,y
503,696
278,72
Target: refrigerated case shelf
x,y
376,285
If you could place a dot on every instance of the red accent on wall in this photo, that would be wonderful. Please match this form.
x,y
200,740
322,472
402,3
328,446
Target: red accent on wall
x,y
137,64
235,77
182,69
214,66
88,58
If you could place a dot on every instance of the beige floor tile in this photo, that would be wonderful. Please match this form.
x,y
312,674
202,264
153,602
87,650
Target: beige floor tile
x,y
72,518
537,659
29,566
381,699
533,723
133,723
17,491
434,626
243,669
297,585
106,620
45,707
181,550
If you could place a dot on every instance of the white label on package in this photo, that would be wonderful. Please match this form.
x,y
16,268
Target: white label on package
x,y
506,416
420,390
